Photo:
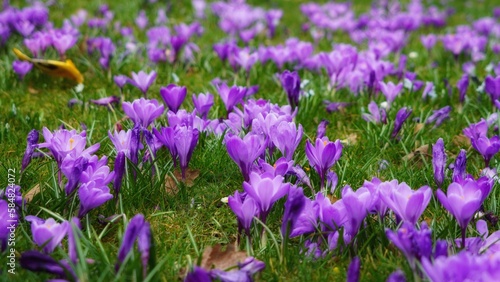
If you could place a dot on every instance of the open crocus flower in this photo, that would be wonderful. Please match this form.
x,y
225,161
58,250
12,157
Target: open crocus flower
x,y
63,142
487,147
173,96
142,81
286,136
47,233
143,111
407,204
462,200
390,90
323,155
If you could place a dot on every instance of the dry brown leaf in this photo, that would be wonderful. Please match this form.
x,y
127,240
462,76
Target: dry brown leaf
x,y
215,257
422,150
418,127
351,139
32,90
461,141
171,183
32,193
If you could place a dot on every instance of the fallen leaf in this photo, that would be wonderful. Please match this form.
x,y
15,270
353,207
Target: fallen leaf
x,y
461,141
32,193
351,139
32,90
422,150
215,257
418,127
171,183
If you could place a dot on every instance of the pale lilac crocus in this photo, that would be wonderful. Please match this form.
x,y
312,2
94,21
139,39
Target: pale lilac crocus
x,y
462,200
376,115
487,147
203,103
390,90
143,111
92,196
407,204
185,140
173,96
47,233
323,155
286,136
438,162
245,151
21,68
265,191
245,208
106,101
142,80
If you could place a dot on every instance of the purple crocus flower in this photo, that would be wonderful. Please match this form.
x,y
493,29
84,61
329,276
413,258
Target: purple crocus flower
x,y
286,136
120,80
173,96
459,166
62,42
353,270
376,115
291,84
265,191
142,81
245,151
203,103
428,90
335,106
73,169
39,262
119,170
273,17
401,116
463,85
428,41
390,90
106,101
32,144
166,136
396,276
321,131
407,204
198,274
231,96
294,205
323,156
92,196
357,204
378,205
439,116
438,162
462,200
142,111
47,233
414,244
492,87
137,229
21,68
245,208
185,141
487,147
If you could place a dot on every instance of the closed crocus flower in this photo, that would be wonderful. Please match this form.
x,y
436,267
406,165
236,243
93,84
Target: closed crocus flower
x,y
203,103
245,208
286,136
185,140
414,244
407,204
462,200
357,204
32,144
47,233
245,151
492,87
265,191
143,111
142,81
323,155
390,90
438,162
488,147
173,96
290,81
401,116
91,197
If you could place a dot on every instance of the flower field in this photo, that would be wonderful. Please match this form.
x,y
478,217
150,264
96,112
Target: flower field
x,y
239,140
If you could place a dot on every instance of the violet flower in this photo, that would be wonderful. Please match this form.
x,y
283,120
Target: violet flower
x,y
459,166
39,262
376,115
463,85
203,103
245,151
291,84
138,229
173,96
357,204
438,162
245,208
321,130
142,111
462,200
407,204
185,141
428,41
31,145
414,244
353,270
439,116
265,191
142,81
401,116
119,170
335,106
487,147
120,81
396,276
106,101
323,156
294,205
21,68
492,87
286,136
92,196
390,90
166,136
231,96
47,233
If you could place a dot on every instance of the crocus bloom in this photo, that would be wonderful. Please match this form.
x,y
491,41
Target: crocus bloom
x,y
407,204
357,204
231,96
462,86
166,136
396,276
438,162
487,147
173,96
321,130
119,170
378,205
39,262
91,197
291,83
428,41
32,144
21,68
439,116
294,205
106,101
376,115
142,80
414,244
137,229
462,200
245,208
286,137
401,116
198,274
390,90
47,233
120,80
492,87
459,166
265,191
143,111
203,103
323,156
185,141
335,106
245,151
